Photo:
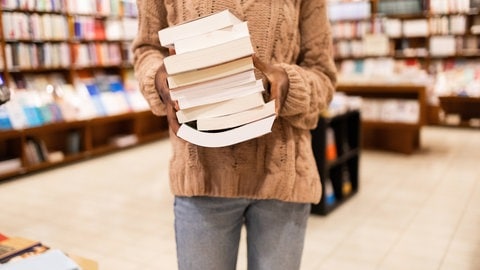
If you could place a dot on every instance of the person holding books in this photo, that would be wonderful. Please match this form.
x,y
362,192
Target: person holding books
x,y
266,184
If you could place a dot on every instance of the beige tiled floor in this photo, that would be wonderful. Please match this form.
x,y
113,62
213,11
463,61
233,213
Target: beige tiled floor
x,y
412,212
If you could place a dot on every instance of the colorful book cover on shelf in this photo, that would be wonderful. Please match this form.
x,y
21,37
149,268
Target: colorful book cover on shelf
x,y
5,122
94,93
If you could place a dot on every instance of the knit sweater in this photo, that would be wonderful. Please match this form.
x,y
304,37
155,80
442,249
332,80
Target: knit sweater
x,y
293,34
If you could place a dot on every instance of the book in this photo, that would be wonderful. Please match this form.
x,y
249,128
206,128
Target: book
x,y
209,56
12,246
197,26
210,73
225,94
212,86
52,259
210,39
236,119
220,108
227,137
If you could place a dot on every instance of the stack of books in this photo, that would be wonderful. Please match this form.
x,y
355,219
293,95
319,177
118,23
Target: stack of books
x,y
211,76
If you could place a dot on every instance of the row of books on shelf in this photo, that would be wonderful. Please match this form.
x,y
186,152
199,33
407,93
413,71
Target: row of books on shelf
x,y
453,6
457,78
351,29
96,54
360,10
36,5
37,55
390,110
374,109
23,26
90,28
51,27
63,55
383,70
37,101
90,7
212,78
19,253
380,45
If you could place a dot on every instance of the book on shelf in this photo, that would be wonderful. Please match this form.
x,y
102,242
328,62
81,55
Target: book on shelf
x,y
212,68
210,73
220,108
209,56
197,26
237,119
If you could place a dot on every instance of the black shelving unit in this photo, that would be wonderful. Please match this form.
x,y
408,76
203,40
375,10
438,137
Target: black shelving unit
x,y
343,170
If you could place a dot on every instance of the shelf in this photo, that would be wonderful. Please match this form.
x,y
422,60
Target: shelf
x,y
465,107
343,170
395,136
78,140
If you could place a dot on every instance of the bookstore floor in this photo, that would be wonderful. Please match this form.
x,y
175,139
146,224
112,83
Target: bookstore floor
x,y
417,211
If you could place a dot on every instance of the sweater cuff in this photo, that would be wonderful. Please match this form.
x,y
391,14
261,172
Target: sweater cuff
x,y
298,95
151,94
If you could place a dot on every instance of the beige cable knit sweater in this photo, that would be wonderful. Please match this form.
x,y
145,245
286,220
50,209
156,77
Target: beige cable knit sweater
x,y
294,34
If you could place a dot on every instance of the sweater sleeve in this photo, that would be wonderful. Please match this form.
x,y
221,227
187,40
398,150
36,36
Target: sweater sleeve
x,y
148,54
312,80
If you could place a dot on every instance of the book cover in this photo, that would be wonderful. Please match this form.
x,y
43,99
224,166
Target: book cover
x,y
197,26
210,56
210,73
236,119
220,108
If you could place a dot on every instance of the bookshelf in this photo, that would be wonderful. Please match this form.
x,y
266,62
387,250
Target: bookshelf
x,y
67,142
405,41
339,172
50,46
399,130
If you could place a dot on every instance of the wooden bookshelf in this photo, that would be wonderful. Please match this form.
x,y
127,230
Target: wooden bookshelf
x,y
71,27
393,136
455,21
79,140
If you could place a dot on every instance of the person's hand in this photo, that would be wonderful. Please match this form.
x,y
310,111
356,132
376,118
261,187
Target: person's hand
x,y
164,91
277,81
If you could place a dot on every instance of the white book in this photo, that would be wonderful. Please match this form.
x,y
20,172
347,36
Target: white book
x,y
212,86
210,39
210,73
198,26
210,56
220,108
237,119
235,92
228,137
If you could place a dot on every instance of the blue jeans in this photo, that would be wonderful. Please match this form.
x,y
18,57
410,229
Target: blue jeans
x,y
208,232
